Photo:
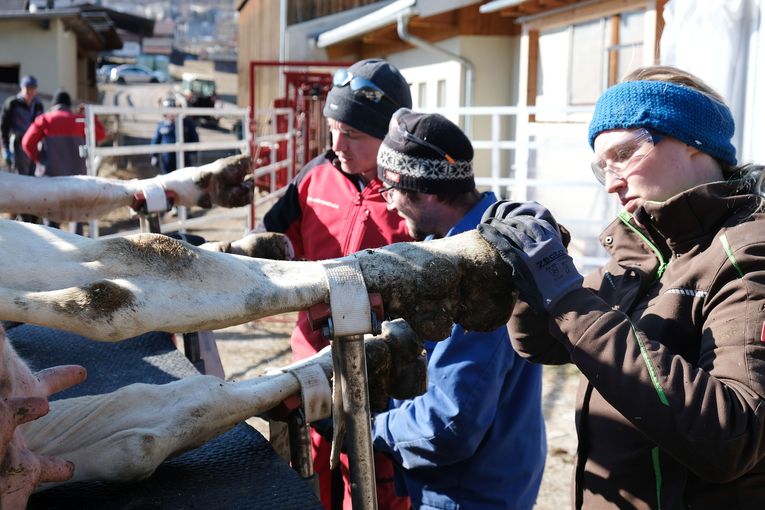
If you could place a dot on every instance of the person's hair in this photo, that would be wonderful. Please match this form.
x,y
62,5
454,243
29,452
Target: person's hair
x,y
753,175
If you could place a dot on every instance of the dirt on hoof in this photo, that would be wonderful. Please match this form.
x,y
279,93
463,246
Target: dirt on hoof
x,y
434,284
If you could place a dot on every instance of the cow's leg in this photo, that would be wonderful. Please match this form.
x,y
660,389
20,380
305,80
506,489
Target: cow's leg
x,y
225,182
121,436
117,288
126,434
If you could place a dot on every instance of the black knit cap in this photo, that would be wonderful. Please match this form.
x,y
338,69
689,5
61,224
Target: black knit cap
x,y
361,113
62,97
427,153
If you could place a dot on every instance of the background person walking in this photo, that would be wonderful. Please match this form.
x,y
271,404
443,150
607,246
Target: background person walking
x,y
18,113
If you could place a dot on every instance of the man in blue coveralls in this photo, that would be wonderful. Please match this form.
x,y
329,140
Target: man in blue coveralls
x,y
476,438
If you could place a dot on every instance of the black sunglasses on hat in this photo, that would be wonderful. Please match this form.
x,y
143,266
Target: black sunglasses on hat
x,y
400,134
360,86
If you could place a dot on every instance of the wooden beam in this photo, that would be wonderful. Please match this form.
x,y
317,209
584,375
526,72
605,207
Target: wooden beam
x,y
613,53
532,71
659,29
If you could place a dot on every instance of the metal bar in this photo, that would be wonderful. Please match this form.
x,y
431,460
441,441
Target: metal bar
x,y
353,378
168,147
193,352
300,448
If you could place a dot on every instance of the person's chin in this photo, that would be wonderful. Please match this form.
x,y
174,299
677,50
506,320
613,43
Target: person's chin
x,y
417,235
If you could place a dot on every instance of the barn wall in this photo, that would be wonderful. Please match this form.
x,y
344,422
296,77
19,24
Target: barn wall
x,y
258,40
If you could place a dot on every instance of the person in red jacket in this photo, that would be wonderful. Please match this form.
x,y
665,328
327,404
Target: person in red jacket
x,y
333,208
53,141
61,132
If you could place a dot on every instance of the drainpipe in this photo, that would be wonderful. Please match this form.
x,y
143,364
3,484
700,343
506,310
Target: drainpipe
x,y
282,40
404,35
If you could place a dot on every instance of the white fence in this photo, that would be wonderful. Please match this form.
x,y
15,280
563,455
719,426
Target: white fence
x,y
547,160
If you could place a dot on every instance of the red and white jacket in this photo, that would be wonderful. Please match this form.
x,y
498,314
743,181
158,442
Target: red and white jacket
x,y
62,132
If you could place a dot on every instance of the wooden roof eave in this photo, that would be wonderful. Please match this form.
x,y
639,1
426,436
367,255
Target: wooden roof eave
x,y
385,40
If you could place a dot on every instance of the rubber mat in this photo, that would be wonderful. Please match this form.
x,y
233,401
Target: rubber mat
x,y
237,470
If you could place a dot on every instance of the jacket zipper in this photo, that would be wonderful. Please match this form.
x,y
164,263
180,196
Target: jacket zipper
x,y
355,209
625,217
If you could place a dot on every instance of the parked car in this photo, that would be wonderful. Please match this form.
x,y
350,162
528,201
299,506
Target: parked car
x,y
132,73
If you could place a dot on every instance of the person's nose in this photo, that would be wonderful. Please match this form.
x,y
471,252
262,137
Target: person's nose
x,y
613,182
339,142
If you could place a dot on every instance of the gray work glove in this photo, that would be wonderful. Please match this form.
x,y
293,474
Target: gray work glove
x,y
529,240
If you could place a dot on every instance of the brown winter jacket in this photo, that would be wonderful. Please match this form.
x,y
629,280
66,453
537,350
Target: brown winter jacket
x,y
670,338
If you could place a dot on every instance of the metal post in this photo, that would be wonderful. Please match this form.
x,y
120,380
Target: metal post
x,y
300,448
354,384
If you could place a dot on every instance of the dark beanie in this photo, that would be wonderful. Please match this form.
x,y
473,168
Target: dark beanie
x,y
365,115
408,164
62,97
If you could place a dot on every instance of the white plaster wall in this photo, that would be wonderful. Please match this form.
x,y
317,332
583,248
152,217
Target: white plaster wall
x,y
48,54
495,79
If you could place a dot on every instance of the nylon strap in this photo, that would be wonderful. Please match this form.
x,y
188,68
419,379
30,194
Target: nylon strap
x,y
314,390
348,298
155,197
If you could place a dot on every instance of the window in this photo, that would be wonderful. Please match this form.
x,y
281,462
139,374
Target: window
x,y
577,62
422,95
441,94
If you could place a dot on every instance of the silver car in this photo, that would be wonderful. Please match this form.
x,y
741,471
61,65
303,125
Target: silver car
x,y
133,73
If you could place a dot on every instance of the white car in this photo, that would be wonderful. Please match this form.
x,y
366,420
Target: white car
x,y
133,73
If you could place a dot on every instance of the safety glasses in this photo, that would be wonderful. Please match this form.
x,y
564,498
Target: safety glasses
x,y
400,134
387,194
361,87
622,156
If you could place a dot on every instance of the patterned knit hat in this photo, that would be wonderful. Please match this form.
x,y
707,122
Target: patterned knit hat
x,y
675,110
365,95
425,153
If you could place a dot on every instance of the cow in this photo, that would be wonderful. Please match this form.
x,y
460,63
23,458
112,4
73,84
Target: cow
x,y
111,289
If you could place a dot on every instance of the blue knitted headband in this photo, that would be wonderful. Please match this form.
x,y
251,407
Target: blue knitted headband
x,y
674,110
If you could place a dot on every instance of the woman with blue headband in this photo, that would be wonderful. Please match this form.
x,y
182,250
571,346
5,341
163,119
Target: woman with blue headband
x,y
669,335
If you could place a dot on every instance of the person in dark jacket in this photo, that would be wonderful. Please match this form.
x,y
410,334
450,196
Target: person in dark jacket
x,y
165,134
18,113
669,335
333,208
483,401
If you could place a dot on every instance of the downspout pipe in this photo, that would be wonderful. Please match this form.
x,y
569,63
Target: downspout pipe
x,y
282,39
404,35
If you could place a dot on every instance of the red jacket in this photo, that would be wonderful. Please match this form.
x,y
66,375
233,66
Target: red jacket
x,y
62,132
326,216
